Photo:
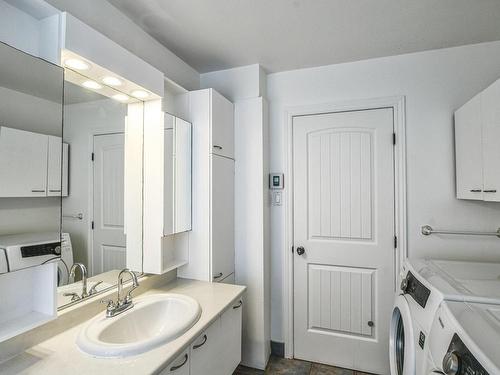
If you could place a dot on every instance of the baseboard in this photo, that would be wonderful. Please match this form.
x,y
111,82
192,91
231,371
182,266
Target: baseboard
x,y
278,349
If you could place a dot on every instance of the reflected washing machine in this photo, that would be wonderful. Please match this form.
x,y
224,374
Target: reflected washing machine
x,y
64,264
425,284
464,340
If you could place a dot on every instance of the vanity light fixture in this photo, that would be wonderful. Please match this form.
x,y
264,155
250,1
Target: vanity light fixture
x,y
121,97
92,85
112,81
140,94
77,64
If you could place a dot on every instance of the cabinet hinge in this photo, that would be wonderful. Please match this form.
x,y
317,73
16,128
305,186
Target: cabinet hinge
x,y
393,138
395,242
92,225
92,156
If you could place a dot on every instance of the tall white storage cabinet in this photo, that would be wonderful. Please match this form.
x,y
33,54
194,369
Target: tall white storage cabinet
x,y
477,146
211,241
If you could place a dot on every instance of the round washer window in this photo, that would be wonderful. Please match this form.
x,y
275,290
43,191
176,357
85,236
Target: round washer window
x,y
399,341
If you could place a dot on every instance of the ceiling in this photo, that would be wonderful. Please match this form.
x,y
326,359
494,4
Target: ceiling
x,y
291,34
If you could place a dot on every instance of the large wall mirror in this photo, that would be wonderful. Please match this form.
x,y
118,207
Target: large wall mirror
x,y
96,137
31,104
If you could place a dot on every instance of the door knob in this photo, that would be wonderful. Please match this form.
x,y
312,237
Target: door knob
x,y
301,250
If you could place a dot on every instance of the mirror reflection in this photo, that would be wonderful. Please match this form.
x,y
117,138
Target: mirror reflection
x,y
177,200
93,225
30,160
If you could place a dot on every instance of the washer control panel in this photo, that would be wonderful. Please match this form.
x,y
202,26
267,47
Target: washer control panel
x,y
412,286
41,249
460,361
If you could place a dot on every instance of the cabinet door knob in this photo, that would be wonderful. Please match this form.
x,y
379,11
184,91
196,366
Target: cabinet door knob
x,y
205,338
218,147
218,276
238,305
173,368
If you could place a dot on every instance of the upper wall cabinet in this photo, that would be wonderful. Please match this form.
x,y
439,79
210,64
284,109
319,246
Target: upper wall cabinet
x,y
221,134
477,146
38,156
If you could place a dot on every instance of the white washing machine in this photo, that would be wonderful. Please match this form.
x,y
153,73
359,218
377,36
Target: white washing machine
x,y
464,340
426,283
64,264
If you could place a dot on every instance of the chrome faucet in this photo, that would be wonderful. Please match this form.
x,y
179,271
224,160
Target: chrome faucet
x,y
122,304
83,269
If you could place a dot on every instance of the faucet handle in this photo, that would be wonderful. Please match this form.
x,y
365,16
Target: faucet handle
x,y
74,296
93,290
128,298
110,302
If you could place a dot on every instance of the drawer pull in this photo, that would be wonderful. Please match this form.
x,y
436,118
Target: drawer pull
x,y
54,191
38,191
491,191
218,276
218,147
475,190
203,343
173,368
238,305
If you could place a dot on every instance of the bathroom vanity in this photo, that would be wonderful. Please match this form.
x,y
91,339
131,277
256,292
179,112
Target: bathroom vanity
x,y
216,334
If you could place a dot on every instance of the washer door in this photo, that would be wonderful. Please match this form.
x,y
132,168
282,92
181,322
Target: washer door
x,y
401,340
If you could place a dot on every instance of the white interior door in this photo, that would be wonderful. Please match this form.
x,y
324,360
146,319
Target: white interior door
x,y
344,220
108,198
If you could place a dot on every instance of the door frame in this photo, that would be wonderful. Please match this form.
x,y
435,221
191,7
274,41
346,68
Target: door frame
x,y
397,104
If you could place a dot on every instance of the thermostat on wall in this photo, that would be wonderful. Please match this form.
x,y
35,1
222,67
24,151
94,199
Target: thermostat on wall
x,y
275,181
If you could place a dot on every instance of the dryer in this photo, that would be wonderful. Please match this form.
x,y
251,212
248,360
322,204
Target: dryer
x,y
464,339
66,261
425,284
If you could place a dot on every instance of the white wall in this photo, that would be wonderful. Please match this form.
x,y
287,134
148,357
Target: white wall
x,y
18,28
81,121
435,83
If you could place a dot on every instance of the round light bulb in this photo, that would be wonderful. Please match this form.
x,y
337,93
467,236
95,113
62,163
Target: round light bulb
x,y
121,97
139,94
76,64
92,85
112,81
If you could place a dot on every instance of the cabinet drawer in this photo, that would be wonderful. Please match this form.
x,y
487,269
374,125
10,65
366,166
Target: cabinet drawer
x,y
231,327
205,351
179,366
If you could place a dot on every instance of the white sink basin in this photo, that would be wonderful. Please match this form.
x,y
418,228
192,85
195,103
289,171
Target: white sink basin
x,y
154,320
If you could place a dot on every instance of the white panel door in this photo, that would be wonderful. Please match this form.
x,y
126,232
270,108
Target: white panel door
x,y
343,180
222,221
490,99
54,167
23,163
108,196
468,150
222,125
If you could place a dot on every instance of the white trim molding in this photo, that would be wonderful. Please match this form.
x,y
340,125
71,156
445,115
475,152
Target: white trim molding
x,y
397,103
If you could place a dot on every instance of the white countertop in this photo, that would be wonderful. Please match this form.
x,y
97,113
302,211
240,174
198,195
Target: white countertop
x,y
61,354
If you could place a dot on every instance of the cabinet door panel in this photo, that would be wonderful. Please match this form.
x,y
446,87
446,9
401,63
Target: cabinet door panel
x,y
205,352
468,149
54,167
490,104
179,366
231,326
23,163
222,209
222,126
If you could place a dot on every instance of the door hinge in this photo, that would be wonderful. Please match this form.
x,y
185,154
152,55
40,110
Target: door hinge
x,y
92,225
393,138
292,249
395,242
92,156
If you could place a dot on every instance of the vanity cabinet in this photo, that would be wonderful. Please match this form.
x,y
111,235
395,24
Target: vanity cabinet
x,y
211,241
216,351
30,164
477,146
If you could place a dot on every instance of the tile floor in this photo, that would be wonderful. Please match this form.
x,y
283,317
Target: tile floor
x,y
280,366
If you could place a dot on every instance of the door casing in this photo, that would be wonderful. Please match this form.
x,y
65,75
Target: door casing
x,y
397,103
